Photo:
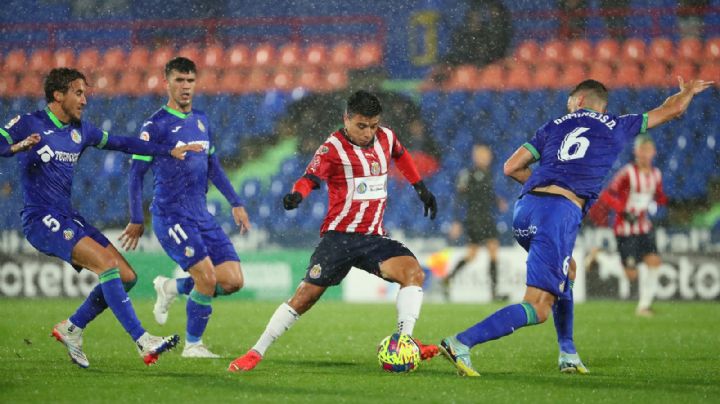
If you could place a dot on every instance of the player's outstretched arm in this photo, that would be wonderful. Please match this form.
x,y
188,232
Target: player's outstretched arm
x,y
517,166
132,145
676,104
8,150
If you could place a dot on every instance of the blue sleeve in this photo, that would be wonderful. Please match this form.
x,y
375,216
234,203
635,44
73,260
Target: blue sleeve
x,y
138,168
633,124
16,130
537,143
216,174
132,145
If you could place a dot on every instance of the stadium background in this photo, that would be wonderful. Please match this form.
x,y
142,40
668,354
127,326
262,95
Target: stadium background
x,y
272,79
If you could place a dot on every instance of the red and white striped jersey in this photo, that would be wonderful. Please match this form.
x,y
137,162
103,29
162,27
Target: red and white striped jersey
x,y
357,181
630,194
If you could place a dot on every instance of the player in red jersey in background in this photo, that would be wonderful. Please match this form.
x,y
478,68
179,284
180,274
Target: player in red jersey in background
x,y
354,163
631,193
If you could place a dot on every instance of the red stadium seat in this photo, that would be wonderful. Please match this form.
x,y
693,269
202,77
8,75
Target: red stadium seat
x,y
104,82
463,78
191,52
336,79
316,55
662,49
601,71
153,83
547,75
88,60
655,75
213,57
310,78
40,61
528,52
580,50
289,55
607,50
160,56
208,81
283,79
232,82
130,82
627,75
8,84
633,49
264,55
492,77
238,56
15,61
139,58
368,54
690,49
712,49
518,76
64,58
114,59
710,70
572,75
684,69
257,80
554,51
343,54
30,84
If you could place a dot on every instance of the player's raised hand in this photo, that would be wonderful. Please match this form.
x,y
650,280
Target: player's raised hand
x,y
292,200
241,219
179,152
131,235
427,198
694,86
26,143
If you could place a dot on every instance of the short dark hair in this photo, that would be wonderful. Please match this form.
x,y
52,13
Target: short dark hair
x,y
363,103
59,79
180,64
593,86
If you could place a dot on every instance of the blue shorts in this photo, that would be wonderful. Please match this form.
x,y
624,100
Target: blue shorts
x,y
338,252
56,234
188,241
546,226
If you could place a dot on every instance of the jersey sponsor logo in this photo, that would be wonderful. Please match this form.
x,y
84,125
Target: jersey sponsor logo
x,y
68,234
12,122
525,232
201,126
145,135
46,154
177,128
370,188
75,136
315,271
204,143
189,251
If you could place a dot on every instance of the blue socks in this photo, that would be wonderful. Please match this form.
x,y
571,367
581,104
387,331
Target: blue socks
x,y
119,302
499,324
94,305
198,314
563,316
185,285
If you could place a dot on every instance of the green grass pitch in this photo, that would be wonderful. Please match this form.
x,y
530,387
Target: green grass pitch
x,y
329,356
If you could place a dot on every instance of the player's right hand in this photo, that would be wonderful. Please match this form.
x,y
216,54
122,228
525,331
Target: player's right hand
x,y
131,235
694,86
26,143
292,200
179,152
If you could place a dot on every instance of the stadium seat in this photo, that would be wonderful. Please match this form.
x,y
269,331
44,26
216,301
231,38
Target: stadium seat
x,y
464,78
130,82
30,84
238,56
710,70
654,75
368,54
580,50
8,84
88,60
518,76
607,50
64,57
104,83
40,61
15,61
528,51
336,78
159,57
343,54
191,52
283,79
310,78
685,69
212,57
491,77
712,49
257,80
627,75
289,55
554,51
572,75
546,75
316,54
115,59
139,58
232,82
208,81
662,49
153,83
601,71
633,49
690,49
264,55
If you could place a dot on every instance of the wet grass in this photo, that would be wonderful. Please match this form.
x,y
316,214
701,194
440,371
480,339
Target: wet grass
x,y
329,356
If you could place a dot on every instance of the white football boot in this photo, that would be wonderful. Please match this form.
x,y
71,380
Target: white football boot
x,y
71,335
164,299
198,350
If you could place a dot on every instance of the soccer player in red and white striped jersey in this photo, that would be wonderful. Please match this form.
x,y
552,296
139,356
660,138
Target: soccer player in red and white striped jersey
x,y
633,190
354,163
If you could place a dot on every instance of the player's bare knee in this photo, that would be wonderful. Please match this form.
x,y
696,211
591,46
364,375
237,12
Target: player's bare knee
x,y
542,311
231,284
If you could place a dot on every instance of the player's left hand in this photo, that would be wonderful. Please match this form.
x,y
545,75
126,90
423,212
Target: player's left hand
x,y
179,152
427,198
130,236
694,86
241,219
26,143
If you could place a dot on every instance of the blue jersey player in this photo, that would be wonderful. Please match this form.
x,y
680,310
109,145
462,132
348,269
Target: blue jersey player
x,y
575,152
181,221
49,143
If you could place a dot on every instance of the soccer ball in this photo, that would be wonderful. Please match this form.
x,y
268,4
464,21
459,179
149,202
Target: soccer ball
x,y
398,354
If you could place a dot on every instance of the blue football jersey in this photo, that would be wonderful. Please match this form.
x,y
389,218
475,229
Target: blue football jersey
x,y
576,151
47,170
180,186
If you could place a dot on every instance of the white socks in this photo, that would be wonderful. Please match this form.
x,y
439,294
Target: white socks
x,y
409,301
283,318
647,284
